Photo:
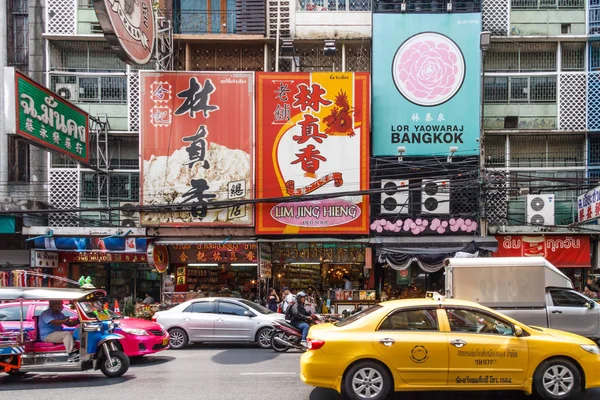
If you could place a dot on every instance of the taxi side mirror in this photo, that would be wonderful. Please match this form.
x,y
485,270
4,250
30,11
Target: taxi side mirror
x,y
518,331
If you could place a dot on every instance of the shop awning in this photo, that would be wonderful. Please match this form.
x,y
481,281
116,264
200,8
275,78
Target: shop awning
x,y
430,255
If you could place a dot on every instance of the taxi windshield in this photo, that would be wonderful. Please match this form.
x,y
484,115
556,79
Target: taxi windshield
x,y
94,309
357,316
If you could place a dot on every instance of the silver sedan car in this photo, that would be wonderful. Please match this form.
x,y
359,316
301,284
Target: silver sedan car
x,y
223,319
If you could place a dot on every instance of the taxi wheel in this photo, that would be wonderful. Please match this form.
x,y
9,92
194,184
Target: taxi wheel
x,y
178,339
367,380
557,379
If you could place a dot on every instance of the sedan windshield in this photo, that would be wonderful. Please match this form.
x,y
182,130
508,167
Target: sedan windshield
x,y
256,307
356,317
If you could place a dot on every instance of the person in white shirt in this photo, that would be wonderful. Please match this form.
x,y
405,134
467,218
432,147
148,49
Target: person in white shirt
x,y
347,283
288,299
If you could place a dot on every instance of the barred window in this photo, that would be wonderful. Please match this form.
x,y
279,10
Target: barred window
x,y
564,184
18,32
530,89
79,56
122,186
547,4
595,55
521,57
495,151
594,144
573,56
91,89
547,151
334,5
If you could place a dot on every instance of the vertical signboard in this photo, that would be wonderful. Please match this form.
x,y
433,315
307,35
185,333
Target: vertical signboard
x,y
426,84
312,139
196,138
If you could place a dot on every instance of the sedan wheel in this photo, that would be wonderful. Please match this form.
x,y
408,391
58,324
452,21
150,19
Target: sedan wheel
x,y
557,379
263,338
367,380
177,338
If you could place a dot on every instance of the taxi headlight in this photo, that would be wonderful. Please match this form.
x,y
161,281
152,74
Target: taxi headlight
x,y
590,348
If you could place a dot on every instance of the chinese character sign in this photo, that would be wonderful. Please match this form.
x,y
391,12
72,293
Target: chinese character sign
x,y
196,143
47,119
426,84
312,139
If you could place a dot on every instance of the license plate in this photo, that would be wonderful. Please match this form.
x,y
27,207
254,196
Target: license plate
x,y
165,341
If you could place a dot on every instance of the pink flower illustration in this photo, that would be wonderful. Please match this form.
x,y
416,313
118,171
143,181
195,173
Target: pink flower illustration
x,y
429,69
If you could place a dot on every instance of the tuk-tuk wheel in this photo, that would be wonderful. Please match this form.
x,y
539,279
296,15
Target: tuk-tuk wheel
x,y
120,364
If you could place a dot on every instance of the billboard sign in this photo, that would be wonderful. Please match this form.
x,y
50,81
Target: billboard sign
x,y
312,138
562,251
426,84
128,27
196,140
588,205
45,118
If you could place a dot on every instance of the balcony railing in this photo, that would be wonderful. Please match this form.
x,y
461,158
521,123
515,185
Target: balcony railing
x,y
428,6
334,5
203,21
547,4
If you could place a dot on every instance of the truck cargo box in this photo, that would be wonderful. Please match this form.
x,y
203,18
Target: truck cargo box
x,y
503,281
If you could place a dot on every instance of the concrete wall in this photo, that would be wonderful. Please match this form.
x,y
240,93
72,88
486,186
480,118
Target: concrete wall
x,y
546,22
332,25
531,116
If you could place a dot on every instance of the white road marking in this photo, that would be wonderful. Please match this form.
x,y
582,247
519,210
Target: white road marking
x,y
269,373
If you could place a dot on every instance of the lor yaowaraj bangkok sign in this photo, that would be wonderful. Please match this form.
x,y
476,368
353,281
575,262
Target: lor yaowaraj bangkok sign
x,y
45,118
426,84
312,139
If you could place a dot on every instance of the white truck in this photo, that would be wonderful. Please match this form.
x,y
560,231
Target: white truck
x,y
528,289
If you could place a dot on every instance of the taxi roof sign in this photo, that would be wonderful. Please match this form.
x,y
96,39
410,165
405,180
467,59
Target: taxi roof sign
x,y
434,296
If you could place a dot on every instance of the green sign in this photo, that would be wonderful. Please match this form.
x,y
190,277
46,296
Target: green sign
x,y
47,119
403,277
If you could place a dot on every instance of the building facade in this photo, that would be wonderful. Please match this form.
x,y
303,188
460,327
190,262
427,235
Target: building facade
x,y
539,121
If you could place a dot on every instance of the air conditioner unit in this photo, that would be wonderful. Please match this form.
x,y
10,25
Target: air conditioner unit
x,y
394,197
129,218
68,91
540,209
435,197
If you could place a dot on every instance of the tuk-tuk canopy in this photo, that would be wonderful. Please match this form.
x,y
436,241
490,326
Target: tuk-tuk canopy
x,y
28,293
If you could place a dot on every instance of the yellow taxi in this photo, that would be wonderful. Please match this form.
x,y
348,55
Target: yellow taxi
x,y
442,344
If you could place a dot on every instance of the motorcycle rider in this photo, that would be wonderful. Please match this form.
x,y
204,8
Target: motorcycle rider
x,y
299,316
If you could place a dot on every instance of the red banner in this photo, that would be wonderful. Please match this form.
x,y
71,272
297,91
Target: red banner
x,y
312,138
196,140
561,251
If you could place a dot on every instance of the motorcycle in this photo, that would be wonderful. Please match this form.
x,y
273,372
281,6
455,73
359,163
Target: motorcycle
x,y
286,336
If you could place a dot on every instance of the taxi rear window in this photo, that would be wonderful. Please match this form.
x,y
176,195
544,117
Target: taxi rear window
x,y
357,316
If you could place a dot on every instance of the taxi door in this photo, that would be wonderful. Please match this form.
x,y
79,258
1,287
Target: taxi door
x,y
484,350
410,342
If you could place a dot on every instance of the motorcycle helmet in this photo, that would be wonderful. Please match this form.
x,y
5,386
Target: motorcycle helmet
x,y
300,294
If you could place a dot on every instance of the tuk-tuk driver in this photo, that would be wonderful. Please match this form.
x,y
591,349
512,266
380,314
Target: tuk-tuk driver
x,y
51,322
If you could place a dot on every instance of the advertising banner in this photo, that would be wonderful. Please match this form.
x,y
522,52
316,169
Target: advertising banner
x,y
312,138
588,205
45,118
94,244
196,138
561,251
426,84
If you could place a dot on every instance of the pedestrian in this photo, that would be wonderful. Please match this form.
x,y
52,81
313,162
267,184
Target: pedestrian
x,y
310,304
288,299
589,292
347,283
148,300
272,300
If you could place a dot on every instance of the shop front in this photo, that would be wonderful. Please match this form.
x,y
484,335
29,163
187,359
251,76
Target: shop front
x,y
118,265
204,269
408,267
323,267
570,253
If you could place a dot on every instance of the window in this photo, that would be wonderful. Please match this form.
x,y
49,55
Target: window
x,y
521,57
565,298
471,321
201,307
231,309
547,151
40,309
530,89
356,317
123,186
411,320
18,159
18,32
13,313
